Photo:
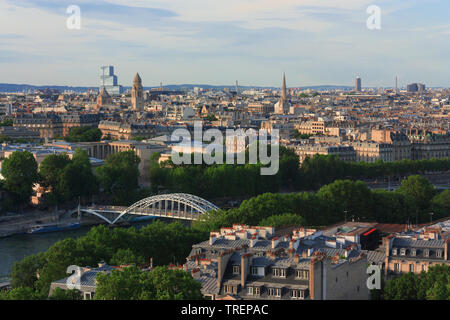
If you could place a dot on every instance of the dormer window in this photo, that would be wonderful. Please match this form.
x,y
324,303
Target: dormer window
x,y
297,294
394,251
439,253
302,274
413,252
426,253
402,251
236,269
281,273
274,292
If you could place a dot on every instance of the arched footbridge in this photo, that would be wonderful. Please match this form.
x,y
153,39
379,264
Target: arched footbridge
x,y
175,205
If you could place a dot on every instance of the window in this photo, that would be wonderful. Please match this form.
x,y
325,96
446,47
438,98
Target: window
x,y
257,291
411,268
274,292
297,294
250,291
439,253
302,274
396,267
357,289
279,272
413,252
230,289
254,271
426,253
236,269
394,251
402,251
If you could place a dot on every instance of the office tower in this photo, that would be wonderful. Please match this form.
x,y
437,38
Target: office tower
x,y
137,95
420,87
358,84
237,88
396,84
415,87
109,81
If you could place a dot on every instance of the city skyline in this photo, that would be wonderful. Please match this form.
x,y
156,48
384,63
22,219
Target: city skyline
x,y
315,43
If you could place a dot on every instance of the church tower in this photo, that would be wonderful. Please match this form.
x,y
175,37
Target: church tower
x,y
137,95
282,106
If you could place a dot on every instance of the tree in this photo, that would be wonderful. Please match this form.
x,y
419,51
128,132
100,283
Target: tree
x,y
83,134
61,294
21,293
283,220
403,288
20,173
346,195
431,285
126,256
419,192
159,284
50,171
77,178
440,204
67,179
119,176
23,273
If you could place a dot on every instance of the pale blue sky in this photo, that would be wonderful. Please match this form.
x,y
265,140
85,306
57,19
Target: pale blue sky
x,y
220,41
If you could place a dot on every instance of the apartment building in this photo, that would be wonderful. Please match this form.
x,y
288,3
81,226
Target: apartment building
x,y
251,263
125,131
417,251
344,153
372,151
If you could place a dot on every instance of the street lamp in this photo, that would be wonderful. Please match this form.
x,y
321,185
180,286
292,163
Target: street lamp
x,y
431,217
345,215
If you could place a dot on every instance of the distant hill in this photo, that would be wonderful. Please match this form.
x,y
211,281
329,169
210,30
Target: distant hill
x,y
9,87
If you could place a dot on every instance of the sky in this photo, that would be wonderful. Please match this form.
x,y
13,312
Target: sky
x,y
315,42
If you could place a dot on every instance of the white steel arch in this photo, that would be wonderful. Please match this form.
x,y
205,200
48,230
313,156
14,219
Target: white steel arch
x,y
198,204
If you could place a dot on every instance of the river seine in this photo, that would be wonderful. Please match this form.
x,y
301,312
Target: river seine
x,y
16,247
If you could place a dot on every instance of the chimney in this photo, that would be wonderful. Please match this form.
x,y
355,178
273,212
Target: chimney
x,y
296,258
275,242
253,240
245,266
212,239
151,263
196,273
446,249
293,244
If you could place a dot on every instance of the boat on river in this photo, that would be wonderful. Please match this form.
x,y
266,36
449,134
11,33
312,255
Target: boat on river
x,y
42,228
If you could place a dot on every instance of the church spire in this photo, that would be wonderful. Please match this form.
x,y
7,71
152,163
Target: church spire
x,y
283,90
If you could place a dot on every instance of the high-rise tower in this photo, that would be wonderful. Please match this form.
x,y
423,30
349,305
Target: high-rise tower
x,y
358,84
108,80
137,94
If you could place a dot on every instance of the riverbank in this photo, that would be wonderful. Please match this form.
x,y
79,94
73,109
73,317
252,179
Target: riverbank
x,y
17,224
